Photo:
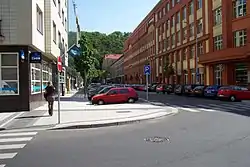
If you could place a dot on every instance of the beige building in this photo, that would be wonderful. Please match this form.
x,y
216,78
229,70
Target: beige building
x,y
30,28
117,73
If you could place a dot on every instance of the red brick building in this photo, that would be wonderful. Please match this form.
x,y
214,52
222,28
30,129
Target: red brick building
x,y
204,40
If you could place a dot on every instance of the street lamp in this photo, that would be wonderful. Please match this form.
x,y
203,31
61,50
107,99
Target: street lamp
x,y
196,55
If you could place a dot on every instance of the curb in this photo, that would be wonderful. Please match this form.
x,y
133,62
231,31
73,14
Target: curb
x,y
116,123
9,119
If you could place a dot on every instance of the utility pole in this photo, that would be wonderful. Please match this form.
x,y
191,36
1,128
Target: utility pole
x,y
78,30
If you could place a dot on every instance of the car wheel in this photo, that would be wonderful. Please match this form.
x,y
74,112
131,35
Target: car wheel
x,y
232,98
131,100
100,102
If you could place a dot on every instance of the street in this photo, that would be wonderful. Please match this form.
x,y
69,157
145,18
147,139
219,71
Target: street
x,y
208,139
193,104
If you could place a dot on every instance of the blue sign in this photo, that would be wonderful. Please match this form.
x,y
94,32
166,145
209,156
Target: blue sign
x,y
74,51
147,69
22,55
35,57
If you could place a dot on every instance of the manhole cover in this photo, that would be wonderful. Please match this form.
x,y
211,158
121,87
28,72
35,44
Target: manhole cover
x,y
123,111
157,139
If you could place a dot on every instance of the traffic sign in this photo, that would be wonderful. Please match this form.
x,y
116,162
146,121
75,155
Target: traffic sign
x,y
147,69
59,64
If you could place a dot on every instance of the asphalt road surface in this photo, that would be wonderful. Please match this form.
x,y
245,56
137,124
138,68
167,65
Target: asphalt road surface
x,y
187,139
194,104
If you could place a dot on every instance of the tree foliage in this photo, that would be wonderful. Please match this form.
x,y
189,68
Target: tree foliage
x,y
168,68
102,43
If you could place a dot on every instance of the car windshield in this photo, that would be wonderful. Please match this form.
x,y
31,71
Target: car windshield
x,y
104,90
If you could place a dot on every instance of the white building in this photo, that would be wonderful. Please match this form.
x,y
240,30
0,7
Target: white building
x,y
28,26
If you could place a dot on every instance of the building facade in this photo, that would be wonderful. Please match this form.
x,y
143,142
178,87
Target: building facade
x,y
117,72
27,27
108,60
205,41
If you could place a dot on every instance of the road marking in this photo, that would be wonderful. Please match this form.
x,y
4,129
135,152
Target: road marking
x,y
5,123
15,139
231,107
218,107
2,165
207,110
18,134
11,146
189,109
7,155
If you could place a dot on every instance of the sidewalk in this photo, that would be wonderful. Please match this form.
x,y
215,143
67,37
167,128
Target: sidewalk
x,y
79,113
8,117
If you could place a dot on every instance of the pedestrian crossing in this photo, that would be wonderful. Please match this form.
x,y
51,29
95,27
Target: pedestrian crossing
x,y
227,107
11,142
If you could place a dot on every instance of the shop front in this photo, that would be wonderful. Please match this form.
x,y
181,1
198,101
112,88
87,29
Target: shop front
x,y
22,82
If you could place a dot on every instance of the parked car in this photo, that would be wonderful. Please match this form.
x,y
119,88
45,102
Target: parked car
x,y
233,93
116,95
152,87
179,89
170,88
161,88
211,91
188,89
93,92
198,91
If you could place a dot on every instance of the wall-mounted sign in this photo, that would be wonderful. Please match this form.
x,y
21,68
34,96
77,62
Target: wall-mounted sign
x,y
74,51
35,57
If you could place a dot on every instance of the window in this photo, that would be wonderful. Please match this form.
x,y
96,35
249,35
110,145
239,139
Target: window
x,y
164,11
178,36
177,1
192,50
240,8
241,74
199,4
185,78
123,91
59,8
47,75
168,22
35,78
240,38
218,42
200,48
9,74
184,33
66,25
217,16
112,92
191,29
167,42
184,54
59,38
173,3
218,75
173,39
199,26
173,21
54,32
167,7
39,19
178,17
191,7
62,17
193,81
184,13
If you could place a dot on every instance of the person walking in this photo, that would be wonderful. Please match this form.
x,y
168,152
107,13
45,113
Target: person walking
x,y
49,96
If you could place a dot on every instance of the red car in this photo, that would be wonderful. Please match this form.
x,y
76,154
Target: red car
x,y
233,93
116,95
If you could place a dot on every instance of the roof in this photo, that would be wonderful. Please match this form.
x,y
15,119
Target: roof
x,y
112,56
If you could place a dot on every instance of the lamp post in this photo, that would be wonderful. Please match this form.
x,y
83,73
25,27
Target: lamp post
x,y
196,56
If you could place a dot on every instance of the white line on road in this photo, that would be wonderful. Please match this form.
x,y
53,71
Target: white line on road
x,y
12,146
15,139
7,122
189,109
7,155
18,134
2,165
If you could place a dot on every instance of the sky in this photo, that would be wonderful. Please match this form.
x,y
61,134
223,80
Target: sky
x,y
107,16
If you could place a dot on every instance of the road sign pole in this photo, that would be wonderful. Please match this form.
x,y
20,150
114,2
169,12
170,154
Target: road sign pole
x,y
58,97
147,86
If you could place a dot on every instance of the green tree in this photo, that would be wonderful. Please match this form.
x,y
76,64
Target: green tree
x,y
168,69
85,62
